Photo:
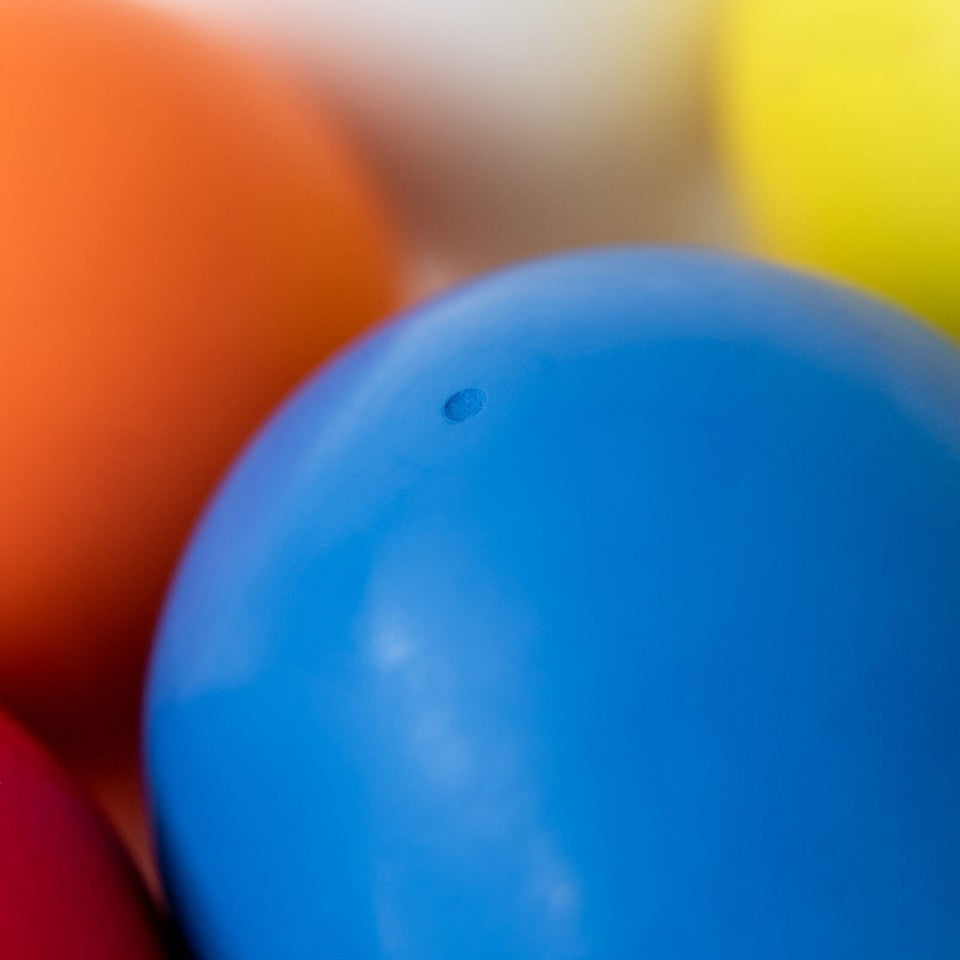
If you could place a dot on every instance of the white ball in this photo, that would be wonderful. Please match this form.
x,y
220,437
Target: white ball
x,y
513,127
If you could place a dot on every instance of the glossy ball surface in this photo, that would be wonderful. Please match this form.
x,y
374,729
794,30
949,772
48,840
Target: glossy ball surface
x,y
842,129
66,889
605,608
181,239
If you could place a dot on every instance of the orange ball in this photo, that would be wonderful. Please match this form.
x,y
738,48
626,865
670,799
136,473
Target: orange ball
x,y
181,239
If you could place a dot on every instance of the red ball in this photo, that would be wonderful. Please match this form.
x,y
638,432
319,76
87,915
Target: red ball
x,y
66,888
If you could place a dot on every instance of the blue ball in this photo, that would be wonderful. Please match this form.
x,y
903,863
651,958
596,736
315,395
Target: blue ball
x,y
606,608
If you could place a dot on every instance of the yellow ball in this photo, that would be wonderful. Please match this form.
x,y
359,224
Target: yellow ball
x,y
841,121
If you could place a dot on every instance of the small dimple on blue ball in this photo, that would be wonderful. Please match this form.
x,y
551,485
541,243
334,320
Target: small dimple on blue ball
x,y
464,405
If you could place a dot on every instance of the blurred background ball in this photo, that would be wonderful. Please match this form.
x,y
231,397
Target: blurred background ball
x,y
511,127
181,239
842,127
66,889
606,608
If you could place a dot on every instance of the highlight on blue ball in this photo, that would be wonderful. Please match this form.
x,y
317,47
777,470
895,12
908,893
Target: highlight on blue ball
x,y
605,608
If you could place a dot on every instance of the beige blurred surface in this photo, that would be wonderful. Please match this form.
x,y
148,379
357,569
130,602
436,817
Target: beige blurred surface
x,y
511,129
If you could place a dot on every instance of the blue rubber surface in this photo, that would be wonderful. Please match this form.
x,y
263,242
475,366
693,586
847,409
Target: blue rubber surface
x,y
606,608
